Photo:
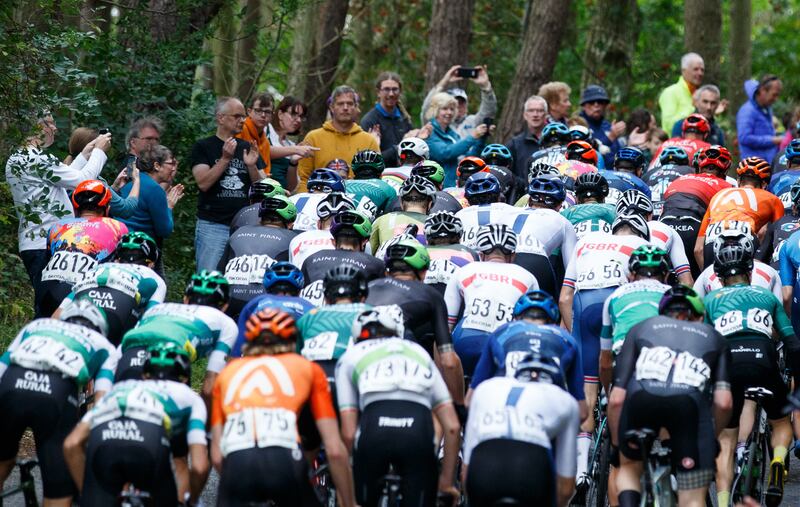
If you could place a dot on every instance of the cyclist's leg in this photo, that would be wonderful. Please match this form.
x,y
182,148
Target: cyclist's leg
x,y
691,427
468,344
729,440
13,422
640,410
371,456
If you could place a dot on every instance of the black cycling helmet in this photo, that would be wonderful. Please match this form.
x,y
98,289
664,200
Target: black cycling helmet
x,y
417,184
345,281
634,201
136,248
681,298
591,184
733,254
534,367
208,288
367,164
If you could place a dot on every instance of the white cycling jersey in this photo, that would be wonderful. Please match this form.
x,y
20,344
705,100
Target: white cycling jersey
x,y
488,291
763,275
307,243
534,412
306,204
600,260
665,237
473,217
548,228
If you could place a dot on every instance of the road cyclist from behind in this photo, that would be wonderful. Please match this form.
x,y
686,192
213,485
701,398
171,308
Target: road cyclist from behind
x,y
590,213
314,240
259,190
416,199
486,207
443,233
412,150
367,189
467,166
673,163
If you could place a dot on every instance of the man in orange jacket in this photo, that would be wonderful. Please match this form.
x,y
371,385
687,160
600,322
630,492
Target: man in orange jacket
x,y
258,115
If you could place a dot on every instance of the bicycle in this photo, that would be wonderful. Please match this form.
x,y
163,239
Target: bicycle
x,y
130,496
391,491
657,478
27,483
599,460
323,481
751,476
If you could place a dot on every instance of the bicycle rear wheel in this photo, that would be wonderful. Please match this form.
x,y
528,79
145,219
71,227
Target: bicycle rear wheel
x,y
597,495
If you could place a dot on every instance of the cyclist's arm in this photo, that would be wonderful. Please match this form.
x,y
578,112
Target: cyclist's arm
x,y
566,455
565,305
453,298
680,263
338,459
626,363
723,399
606,343
453,373
790,341
701,239
788,273
446,414
75,452
198,471
347,397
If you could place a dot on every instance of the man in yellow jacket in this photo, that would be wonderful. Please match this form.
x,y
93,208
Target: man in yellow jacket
x,y
339,137
675,101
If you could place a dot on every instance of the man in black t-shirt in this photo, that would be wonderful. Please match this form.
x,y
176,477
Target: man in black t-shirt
x,y
224,167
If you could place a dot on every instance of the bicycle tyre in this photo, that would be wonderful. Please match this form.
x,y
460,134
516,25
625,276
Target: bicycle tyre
x,y
604,464
751,465
765,459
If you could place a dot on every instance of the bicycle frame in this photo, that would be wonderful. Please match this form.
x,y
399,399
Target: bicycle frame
x,y
27,484
753,469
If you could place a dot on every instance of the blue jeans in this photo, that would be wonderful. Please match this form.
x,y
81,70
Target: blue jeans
x,y
210,239
35,262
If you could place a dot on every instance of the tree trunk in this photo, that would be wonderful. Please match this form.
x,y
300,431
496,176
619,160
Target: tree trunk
x,y
448,40
364,38
535,61
702,21
302,49
322,69
248,44
225,52
740,52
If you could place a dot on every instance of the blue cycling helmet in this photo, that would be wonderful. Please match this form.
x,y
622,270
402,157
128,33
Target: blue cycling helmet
x,y
793,151
547,186
282,276
325,180
794,191
555,133
497,154
538,299
631,155
482,188
674,155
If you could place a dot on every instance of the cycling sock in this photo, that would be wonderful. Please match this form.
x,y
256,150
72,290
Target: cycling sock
x,y
584,443
629,498
780,453
740,447
723,498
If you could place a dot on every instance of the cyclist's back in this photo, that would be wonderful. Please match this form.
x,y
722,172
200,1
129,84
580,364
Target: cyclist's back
x,y
628,305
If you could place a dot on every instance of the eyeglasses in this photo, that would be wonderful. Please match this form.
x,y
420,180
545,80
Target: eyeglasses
x,y
535,111
594,102
237,116
170,162
265,112
390,90
149,138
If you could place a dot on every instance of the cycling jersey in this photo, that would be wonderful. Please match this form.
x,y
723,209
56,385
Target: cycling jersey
x,y
325,333
317,265
474,217
395,176
574,168
701,186
628,305
665,237
512,341
777,233
659,178
388,226
543,231
690,146
754,206
443,200
762,276
458,194
600,260
306,204
789,264
445,261
307,243
620,182
376,190
781,184
424,310
294,306
590,217
246,216
553,156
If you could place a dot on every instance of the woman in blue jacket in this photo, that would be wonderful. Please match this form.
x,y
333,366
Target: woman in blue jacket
x,y
754,120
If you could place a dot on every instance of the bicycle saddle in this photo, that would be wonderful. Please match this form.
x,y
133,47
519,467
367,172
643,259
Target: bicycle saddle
x,y
757,393
642,436
507,502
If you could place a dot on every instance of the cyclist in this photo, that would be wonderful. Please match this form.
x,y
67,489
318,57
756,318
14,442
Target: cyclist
x,y
466,167
748,317
256,406
500,163
527,420
443,233
442,201
789,268
488,291
629,164
367,188
734,207
779,231
554,139
254,248
76,244
248,215
127,437
782,182
320,182
694,134
672,372
484,194
416,197
46,366
582,151
590,213
413,150
388,388
315,240
672,164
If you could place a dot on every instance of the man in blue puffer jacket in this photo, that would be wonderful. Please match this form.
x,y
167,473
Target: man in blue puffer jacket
x,y
754,120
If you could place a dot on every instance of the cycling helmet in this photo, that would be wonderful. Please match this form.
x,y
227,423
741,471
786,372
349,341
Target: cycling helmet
x,y
325,180
733,254
636,222
674,155
367,164
283,277
755,167
497,154
633,201
345,280
632,156
270,326
409,252
540,300
536,367
91,194
84,312
413,146
793,151
418,184
537,169
443,224
581,151
591,184
795,193
167,360
351,220
482,188
136,248
649,260
580,133
339,166
469,166
209,288
696,123
379,321
547,189
334,203
429,169
279,205
264,188
715,156
681,297
494,236
555,133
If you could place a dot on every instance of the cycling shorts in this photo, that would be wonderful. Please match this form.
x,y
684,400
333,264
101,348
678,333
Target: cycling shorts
x,y
399,433
504,468
53,293
46,402
126,450
131,364
688,419
256,475
468,344
687,227
754,364
587,321
539,266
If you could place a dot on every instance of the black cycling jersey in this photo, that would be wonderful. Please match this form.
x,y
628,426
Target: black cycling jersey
x,y
665,173
424,310
512,186
683,213
442,201
246,216
777,233
319,263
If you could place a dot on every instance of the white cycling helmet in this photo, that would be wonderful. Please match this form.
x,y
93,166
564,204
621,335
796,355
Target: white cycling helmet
x,y
494,236
389,317
415,146
334,203
84,312
637,224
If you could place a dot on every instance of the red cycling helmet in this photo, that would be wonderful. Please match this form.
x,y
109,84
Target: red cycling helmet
x,y
754,166
471,165
696,123
717,156
581,151
91,193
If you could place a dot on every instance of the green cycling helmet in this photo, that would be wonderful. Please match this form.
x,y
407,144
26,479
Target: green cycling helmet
x,y
167,360
209,288
351,220
136,247
681,297
279,205
430,170
266,187
408,251
649,260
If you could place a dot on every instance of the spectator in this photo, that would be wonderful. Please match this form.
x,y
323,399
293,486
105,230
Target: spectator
x,y
223,167
444,143
388,119
639,125
594,101
676,100
791,122
706,100
284,152
556,94
527,142
40,185
253,131
754,126
463,123
142,134
339,137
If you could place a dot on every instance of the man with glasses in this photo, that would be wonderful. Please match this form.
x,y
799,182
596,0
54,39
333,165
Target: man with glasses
x,y
143,133
259,114
388,120
528,142
223,167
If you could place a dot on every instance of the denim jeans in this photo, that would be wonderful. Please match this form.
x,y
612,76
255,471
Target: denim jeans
x,y
35,261
210,239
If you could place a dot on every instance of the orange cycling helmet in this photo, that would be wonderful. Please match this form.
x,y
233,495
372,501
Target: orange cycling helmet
x,y
581,151
716,156
270,326
696,123
754,166
471,165
91,193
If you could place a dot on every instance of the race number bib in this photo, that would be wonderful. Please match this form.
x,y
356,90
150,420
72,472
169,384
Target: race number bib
x,y
247,269
68,267
528,243
786,199
305,221
320,347
611,274
486,314
41,352
714,230
393,372
468,236
259,427
366,206
508,422
440,271
585,227
613,196
760,320
654,363
314,293
691,371
729,323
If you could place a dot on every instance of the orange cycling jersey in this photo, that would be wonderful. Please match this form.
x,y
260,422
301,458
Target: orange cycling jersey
x,y
755,206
